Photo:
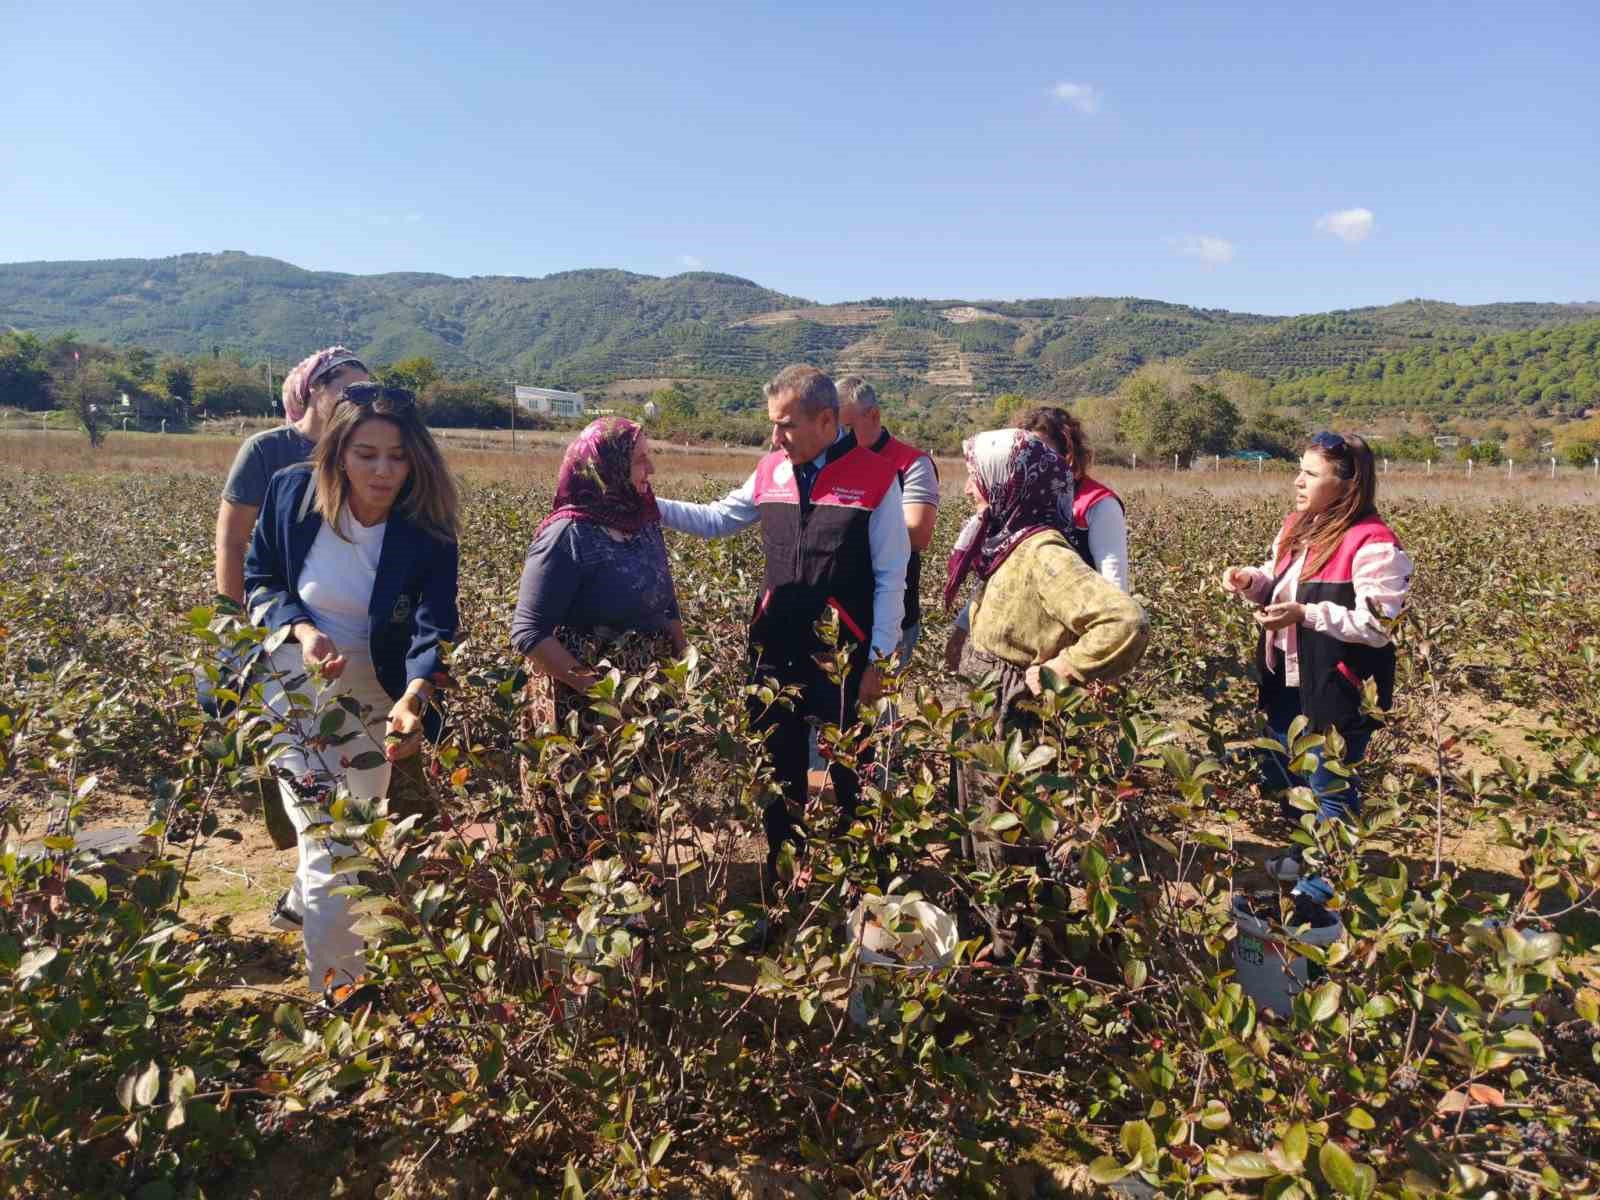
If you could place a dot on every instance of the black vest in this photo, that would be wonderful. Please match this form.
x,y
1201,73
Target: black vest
x,y
1333,672
818,554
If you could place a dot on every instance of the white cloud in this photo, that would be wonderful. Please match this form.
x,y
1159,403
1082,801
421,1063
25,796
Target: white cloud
x,y
1351,224
1210,250
1084,97
690,262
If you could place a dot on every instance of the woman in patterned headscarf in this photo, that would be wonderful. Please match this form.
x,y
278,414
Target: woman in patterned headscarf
x,y
596,588
1039,607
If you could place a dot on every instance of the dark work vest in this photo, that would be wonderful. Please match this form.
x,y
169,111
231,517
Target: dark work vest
x,y
902,457
1332,672
818,554
1085,495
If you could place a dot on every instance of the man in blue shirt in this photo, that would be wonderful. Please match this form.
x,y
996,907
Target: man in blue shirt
x,y
834,532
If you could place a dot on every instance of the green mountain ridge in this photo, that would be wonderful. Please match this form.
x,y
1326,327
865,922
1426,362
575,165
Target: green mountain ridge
x,y
1541,372
584,327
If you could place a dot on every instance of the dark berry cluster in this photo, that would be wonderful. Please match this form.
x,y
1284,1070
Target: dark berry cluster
x,y
1536,1135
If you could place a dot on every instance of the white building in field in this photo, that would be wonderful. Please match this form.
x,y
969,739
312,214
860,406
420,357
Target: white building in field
x,y
549,402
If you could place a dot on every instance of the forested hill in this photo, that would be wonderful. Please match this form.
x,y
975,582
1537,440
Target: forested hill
x,y
579,327
1539,373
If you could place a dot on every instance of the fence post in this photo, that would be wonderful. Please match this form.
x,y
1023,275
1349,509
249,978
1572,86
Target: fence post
x,y
1510,462
1469,468
1552,466
1174,464
1136,462
1217,466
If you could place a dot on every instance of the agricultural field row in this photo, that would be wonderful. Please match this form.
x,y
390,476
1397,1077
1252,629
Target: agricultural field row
x,y
664,1020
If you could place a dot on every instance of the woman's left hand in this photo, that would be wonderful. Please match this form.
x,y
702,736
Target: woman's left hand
x,y
1032,679
1280,616
404,729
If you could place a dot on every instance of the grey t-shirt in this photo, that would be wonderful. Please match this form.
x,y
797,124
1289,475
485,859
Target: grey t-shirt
x,y
261,457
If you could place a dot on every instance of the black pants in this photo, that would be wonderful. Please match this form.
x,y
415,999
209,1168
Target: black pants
x,y
788,736
984,849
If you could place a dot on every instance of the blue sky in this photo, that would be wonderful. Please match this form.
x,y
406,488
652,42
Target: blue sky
x,y
1273,158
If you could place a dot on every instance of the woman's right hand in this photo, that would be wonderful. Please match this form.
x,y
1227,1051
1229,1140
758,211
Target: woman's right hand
x,y
318,650
1236,579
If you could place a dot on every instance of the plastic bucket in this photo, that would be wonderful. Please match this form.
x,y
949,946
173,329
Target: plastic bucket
x,y
1265,961
897,934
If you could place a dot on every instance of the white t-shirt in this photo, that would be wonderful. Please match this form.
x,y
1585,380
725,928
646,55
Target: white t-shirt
x,y
336,581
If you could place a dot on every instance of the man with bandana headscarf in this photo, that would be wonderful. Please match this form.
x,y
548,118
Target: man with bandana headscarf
x,y
311,390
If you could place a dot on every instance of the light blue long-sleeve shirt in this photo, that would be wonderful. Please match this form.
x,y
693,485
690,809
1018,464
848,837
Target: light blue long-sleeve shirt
x,y
887,538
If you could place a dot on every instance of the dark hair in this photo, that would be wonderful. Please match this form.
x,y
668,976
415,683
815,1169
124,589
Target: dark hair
x,y
812,387
1319,534
1064,430
429,498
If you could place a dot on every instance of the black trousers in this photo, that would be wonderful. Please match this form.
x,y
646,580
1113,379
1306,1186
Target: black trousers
x,y
788,736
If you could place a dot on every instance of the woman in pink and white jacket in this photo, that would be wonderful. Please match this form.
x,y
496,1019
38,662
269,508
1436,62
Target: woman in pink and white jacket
x,y
1325,600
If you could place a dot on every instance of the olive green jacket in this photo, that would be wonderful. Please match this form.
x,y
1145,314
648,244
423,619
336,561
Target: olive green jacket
x,y
1045,605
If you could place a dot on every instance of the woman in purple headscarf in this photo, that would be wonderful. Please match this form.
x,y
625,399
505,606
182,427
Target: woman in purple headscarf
x,y
596,585
1039,611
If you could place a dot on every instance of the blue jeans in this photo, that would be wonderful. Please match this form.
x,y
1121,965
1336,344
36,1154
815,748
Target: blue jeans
x,y
1336,794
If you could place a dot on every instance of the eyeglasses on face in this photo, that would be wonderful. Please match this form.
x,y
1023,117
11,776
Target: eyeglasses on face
x,y
368,393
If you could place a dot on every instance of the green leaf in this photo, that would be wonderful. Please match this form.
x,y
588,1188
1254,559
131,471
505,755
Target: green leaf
x,y
808,1009
1326,1001
1360,1118
1249,1165
1338,1168
910,1011
1216,1116
367,760
1139,1140
658,1148
148,1085
571,1188
182,1084
1001,822
35,961
1454,998
1296,1143
289,1019
125,1088
1522,1041
1107,1170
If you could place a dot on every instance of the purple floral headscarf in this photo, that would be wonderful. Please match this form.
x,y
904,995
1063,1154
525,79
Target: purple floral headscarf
x,y
1028,487
596,479
308,372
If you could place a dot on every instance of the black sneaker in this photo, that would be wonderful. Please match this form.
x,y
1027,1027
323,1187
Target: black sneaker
x,y
285,918
352,997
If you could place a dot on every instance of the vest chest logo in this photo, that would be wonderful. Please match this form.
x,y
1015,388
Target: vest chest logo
x,y
402,609
782,473
847,495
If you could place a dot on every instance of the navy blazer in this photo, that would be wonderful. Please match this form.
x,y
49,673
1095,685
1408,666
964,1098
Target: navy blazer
x,y
413,606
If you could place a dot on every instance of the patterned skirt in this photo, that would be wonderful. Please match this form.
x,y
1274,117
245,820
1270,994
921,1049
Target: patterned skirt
x,y
548,708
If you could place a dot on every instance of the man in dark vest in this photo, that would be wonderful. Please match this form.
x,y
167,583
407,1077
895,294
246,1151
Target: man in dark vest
x,y
834,533
919,491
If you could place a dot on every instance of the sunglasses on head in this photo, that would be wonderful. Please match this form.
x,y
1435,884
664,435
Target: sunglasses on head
x,y
368,393
1331,442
